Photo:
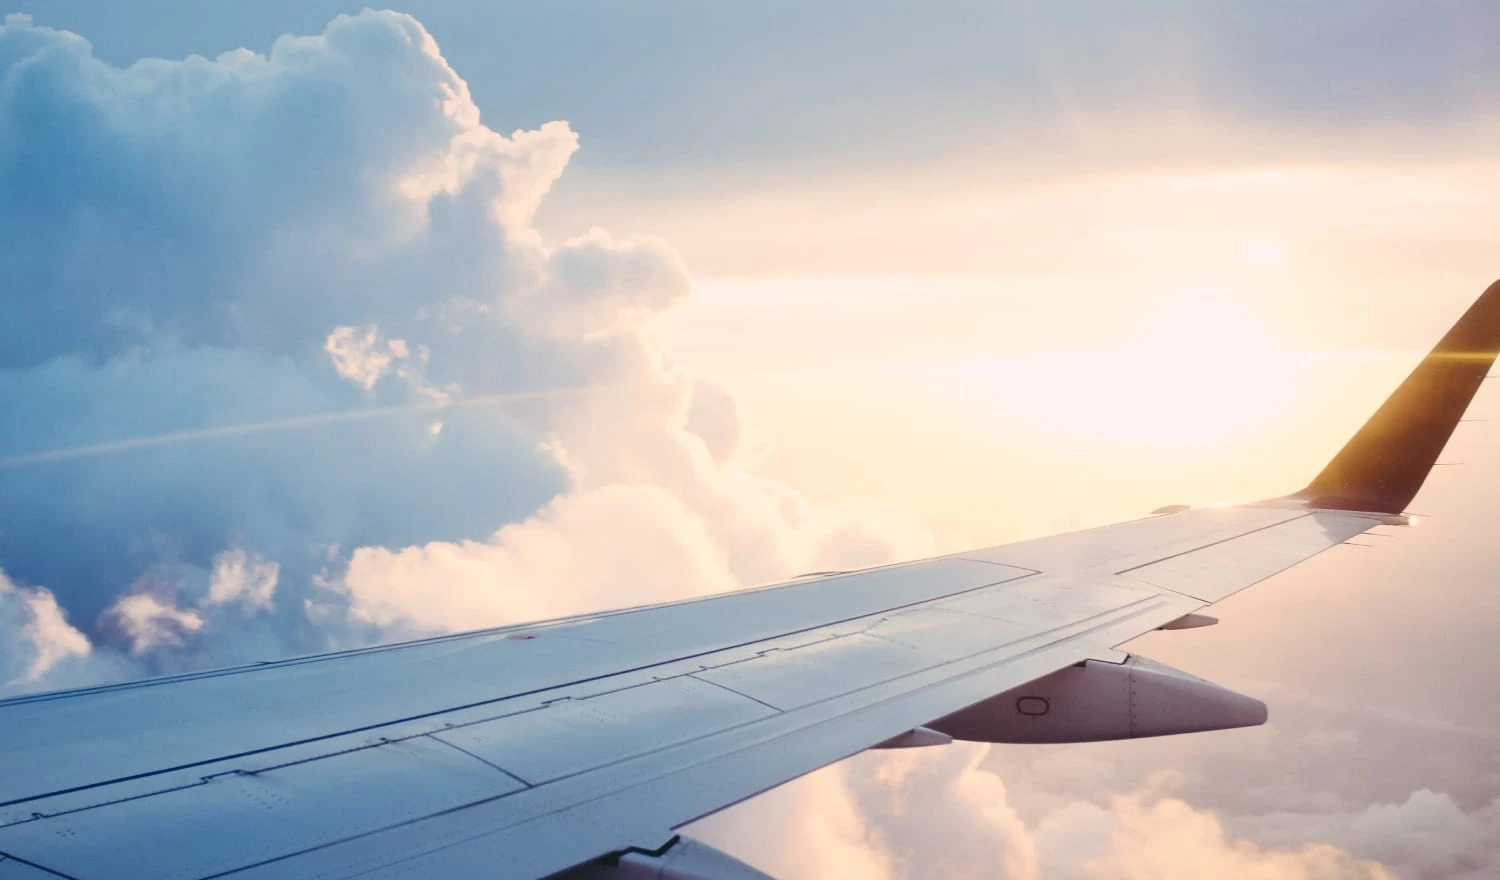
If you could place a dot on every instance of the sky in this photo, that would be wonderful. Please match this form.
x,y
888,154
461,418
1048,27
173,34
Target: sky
x,y
310,341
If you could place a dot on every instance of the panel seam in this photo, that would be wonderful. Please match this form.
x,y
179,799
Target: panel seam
x,y
477,703
1211,544
30,864
976,665
491,764
721,686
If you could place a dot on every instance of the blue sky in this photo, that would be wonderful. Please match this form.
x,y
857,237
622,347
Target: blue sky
x,y
686,108
679,83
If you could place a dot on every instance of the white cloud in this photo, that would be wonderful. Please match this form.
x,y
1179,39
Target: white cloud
x,y
938,813
595,285
239,577
37,636
941,813
614,546
810,828
1169,840
149,623
1428,836
274,239
362,356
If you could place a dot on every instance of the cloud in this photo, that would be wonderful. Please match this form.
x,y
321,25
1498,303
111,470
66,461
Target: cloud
x,y
38,639
362,357
598,285
270,306
582,552
1169,839
811,827
1132,811
239,578
943,813
148,623
1288,800
1428,835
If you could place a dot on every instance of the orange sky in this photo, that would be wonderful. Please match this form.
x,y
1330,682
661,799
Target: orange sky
x,y
1163,337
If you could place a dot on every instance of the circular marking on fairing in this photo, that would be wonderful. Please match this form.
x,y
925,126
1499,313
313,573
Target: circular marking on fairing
x,y
1033,706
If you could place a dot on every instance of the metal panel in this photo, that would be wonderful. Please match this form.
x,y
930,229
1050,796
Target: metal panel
x,y
61,742
751,615
57,742
1220,570
600,710
1136,542
10,869
638,802
789,679
1043,603
946,633
235,820
569,736
260,762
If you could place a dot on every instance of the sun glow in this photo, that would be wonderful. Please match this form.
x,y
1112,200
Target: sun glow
x,y
1196,369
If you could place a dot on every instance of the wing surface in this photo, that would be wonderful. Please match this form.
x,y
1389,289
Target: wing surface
x,y
523,751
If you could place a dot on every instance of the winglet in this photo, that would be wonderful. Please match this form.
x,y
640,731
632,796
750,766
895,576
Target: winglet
x,y
1383,466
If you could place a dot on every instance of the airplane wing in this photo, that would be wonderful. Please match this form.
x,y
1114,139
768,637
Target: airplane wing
x,y
583,744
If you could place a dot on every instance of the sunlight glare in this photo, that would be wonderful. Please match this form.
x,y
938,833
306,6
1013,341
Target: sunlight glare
x,y
1263,253
1199,368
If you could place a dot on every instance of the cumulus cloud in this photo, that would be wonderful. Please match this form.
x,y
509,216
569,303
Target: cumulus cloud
x,y
581,553
812,827
1427,835
1295,799
942,813
38,639
328,241
598,285
1169,839
148,623
362,357
237,577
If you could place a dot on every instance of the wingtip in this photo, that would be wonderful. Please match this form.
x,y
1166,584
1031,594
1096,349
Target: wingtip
x,y
1382,467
